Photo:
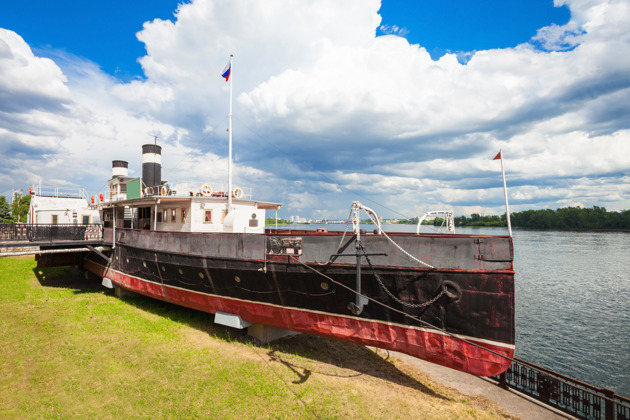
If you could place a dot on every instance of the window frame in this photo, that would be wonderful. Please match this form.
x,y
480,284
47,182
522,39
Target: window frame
x,y
205,218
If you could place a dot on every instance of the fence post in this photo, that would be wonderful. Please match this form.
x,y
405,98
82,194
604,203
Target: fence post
x,y
609,403
503,380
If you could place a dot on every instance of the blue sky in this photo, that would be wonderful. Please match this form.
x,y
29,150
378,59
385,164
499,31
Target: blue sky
x,y
105,32
446,26
401,105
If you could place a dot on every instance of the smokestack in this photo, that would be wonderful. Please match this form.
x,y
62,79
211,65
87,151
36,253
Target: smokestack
x,y
151,165
119,168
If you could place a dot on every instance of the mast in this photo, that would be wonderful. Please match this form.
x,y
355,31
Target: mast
x,y
230,142
507,206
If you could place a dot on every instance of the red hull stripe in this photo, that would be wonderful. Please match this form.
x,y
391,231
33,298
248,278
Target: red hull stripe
x,y
431,345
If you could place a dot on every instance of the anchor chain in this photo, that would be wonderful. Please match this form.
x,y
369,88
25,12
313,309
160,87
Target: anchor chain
x,y
402,302
410,305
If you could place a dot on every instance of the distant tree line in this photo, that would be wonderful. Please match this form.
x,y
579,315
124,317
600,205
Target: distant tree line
x,y
272,222
564,218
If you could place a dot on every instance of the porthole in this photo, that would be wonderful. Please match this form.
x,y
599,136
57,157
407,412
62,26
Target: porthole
x,y
201,275
237,278
181,271
324,285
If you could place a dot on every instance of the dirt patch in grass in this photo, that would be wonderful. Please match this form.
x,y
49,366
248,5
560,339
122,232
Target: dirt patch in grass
x,y
69,348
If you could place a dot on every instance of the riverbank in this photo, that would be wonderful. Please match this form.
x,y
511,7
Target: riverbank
x,y
69,348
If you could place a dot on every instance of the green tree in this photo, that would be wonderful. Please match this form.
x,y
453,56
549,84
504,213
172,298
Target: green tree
x,y
5,211
20,206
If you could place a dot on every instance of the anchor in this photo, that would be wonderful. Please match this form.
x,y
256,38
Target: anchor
x,y
361,300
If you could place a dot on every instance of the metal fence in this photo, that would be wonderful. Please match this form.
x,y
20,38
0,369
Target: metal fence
x,y
49,233
576,398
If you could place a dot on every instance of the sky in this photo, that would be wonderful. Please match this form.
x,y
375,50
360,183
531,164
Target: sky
x,y
399,105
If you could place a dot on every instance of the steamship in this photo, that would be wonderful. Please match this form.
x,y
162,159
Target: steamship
x,y
446,298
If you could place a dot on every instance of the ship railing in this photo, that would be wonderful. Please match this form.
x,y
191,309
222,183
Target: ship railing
x,y
59,192
449,220
50,233
564,393
218,191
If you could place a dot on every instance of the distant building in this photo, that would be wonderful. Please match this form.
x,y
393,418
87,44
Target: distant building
x,y
55,209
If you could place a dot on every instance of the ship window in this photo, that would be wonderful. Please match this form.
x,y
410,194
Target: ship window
x,y
207,216
183,215
173,215
159,217
165,212
144,212
85,219
54,219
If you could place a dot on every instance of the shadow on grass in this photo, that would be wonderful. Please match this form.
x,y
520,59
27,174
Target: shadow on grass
x,y
68,277
355,360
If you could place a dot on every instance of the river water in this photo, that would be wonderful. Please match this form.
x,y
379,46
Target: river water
x,y
572,300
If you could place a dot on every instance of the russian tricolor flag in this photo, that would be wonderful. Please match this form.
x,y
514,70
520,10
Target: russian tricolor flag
x,y
227,70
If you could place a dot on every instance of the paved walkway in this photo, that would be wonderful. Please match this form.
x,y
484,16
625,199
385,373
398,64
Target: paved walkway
x,y
510,400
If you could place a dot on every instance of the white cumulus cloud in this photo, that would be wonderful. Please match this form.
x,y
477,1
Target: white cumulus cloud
x,y
326,112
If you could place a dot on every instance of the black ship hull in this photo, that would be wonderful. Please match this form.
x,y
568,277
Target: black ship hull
x,y
453,304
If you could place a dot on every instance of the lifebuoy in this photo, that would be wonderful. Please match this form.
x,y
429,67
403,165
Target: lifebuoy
x,y
163,191
205,190
237,193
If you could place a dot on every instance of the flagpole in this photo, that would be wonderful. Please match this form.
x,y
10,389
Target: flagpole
x,y
507,206
230,142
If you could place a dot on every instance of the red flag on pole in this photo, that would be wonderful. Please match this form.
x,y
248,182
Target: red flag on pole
x,y
498,156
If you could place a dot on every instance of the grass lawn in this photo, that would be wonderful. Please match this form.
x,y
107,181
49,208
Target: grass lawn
x,y
70,348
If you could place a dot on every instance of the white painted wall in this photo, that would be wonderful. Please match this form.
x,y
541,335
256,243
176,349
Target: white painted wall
x,y
43,208
237,221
